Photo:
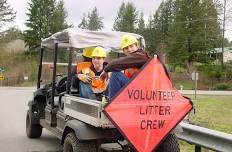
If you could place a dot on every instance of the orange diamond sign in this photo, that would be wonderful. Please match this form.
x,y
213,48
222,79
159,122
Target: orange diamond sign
x,y
148,108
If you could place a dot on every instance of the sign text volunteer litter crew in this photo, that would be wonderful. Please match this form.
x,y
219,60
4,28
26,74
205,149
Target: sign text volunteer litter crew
x,y
148,108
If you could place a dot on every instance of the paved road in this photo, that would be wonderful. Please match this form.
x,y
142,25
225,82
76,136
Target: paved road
x,y
13,138
13,102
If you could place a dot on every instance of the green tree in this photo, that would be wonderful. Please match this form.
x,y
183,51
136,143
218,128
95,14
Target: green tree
x,y
212,30
141,25
119,18
45,17
150,36
6,13
127,18
84,23
59,18
189,34
160,25
94,21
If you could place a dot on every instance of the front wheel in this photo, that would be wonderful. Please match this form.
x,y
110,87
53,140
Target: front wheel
x,y
170,144
72,144
32,130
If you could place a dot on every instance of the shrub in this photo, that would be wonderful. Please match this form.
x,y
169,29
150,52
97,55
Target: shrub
x,y
224,86
211,71
180,69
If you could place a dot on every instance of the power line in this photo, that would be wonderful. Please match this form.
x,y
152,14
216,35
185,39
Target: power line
x,y
206,19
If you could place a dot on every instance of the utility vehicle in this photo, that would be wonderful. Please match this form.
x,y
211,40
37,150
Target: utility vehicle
x,y
79,123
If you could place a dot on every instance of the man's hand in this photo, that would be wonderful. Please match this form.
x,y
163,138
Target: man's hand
x,y
84,78
104,75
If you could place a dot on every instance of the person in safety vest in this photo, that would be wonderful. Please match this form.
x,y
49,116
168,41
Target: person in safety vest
x,y
91,86
135,58
87,61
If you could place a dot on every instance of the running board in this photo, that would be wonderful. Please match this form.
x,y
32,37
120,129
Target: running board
x,y
54,130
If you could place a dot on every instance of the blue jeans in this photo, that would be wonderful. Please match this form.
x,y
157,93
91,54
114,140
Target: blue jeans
x,y
117,81
86,91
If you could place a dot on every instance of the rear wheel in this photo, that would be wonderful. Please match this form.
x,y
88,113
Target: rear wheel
x,y
170,144
32,130
72,144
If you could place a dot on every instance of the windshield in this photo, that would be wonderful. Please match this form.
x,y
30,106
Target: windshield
x,y
47,65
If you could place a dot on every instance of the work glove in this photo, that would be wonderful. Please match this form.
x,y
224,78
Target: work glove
x,y
84,78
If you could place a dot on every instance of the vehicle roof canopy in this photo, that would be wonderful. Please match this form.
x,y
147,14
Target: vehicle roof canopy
x,y
79,38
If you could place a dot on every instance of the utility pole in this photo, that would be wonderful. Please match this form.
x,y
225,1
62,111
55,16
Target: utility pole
x,y
162,41
223,31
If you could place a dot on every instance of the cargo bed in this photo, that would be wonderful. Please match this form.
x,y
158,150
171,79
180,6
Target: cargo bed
x,y
86,110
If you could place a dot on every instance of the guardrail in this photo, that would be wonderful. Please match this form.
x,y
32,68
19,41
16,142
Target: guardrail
x,y
207,138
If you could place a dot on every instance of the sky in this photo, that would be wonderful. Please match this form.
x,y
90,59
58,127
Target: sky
x,y
106,9
76,8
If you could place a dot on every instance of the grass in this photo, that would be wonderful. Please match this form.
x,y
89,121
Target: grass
x,y
186,85
215,112
27,84
212,112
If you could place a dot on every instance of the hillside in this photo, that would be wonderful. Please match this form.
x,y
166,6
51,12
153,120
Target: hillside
x,y
18,65
16,45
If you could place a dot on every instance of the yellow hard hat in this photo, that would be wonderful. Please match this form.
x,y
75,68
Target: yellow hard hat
x,y
87,52
128,40
99,52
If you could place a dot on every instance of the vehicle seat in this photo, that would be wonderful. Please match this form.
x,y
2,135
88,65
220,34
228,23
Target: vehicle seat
x,y
61,84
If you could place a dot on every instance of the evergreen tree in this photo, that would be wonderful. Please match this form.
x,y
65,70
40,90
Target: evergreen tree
x,y
59,17
150,36
6,13
141,24
84,23
119,18
94,21
160,23
212,30
200,34
186,42
126,19
45,17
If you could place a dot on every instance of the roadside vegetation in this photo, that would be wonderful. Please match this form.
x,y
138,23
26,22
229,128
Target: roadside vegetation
x,y
212,112
211,77
18,65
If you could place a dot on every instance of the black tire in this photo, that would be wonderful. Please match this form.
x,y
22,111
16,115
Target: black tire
x,y
72,144
32,130
170,144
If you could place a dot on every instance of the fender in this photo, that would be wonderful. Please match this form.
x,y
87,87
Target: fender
x,y
83,131
38,92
